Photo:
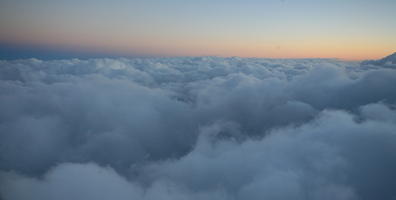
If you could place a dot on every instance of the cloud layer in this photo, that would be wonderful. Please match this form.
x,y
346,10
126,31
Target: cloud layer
x,y
197,128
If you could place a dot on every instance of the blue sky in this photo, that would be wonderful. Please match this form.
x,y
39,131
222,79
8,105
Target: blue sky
x,y
251,28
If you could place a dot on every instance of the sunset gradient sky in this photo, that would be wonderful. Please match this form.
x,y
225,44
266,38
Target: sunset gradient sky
x,y
346,29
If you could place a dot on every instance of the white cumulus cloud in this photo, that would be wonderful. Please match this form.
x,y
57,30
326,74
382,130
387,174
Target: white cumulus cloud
x,y
197,128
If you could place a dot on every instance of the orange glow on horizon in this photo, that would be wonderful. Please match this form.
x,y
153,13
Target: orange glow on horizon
x,y
169,47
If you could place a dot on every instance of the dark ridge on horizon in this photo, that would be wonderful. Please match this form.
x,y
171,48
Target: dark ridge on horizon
x,y
19,52
16,52
388,60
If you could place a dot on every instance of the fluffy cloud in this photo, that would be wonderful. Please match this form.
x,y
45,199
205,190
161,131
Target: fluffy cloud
x,y
197,128
70,181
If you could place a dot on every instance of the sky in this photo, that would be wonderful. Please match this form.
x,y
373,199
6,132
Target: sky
x,y
351,30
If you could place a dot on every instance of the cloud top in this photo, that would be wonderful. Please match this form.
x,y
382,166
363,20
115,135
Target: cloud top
x,y
197,128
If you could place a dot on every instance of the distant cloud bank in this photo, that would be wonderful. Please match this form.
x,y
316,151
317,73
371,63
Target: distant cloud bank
x,y
197,128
